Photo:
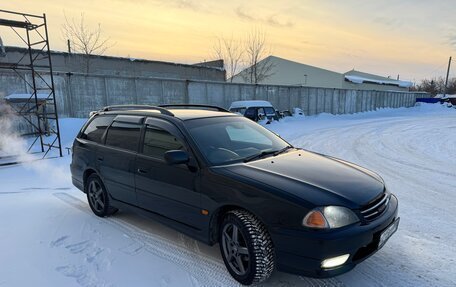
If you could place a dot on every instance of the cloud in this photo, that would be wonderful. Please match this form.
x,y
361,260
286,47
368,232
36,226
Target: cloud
x,y
311,44
185,4
452,39
392,23
242,13
275,20
181,4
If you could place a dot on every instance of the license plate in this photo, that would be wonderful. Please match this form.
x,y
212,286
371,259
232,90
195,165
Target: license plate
x,y
386,234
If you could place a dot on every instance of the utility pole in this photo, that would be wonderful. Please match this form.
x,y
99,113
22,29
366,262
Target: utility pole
x,y
2,48
69,46
447,75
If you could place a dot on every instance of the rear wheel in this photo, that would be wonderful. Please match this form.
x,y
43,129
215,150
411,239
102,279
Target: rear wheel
x,y
246,247
97,196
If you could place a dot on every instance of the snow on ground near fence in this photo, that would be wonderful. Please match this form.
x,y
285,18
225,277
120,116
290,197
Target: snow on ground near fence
x,y
49,237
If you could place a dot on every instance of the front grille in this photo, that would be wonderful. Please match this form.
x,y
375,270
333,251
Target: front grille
x,y
375,208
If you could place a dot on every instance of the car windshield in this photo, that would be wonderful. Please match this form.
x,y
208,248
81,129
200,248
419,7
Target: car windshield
x,y
226,140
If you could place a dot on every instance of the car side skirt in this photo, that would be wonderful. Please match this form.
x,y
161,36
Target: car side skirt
x,y
197,234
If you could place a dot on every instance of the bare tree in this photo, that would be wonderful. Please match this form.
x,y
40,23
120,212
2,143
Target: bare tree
x,y
230,51
256,52
436,86
85,40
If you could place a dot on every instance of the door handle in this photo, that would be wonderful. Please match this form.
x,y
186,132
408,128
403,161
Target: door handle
x,y
141,171
100,158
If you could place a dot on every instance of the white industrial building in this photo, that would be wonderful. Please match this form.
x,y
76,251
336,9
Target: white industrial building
x,y
290,73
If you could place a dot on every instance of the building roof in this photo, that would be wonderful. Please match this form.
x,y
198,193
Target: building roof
x,y
359,77
209,65
287,72
219,64
294,63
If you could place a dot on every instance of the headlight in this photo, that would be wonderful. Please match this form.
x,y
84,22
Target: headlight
x,y
329,217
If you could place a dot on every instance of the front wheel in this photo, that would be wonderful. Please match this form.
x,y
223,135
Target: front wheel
x,y
246,247
97,196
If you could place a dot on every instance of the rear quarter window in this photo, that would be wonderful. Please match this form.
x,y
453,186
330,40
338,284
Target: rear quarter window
x,y
96,128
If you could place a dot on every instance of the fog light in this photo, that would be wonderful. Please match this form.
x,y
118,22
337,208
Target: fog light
x,y
334,261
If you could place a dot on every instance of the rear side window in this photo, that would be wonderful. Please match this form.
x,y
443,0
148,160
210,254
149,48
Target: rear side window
x,y
124,135
250,113
158,141
261,112
96,128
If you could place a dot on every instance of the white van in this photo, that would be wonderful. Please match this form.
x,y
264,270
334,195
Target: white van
x,y
254,110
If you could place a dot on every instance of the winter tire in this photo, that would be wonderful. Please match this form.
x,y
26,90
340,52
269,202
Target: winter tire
x,y
246,247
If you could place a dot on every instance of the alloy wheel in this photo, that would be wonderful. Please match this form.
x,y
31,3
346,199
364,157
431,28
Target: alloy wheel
x,y
96,196
235,249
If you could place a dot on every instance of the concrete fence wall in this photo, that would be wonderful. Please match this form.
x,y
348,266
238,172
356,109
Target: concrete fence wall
x,y
77,95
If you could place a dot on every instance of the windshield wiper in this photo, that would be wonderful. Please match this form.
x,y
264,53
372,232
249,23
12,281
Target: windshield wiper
x,y
282,150
265,153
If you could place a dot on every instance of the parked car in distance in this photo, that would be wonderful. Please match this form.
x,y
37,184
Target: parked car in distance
x,y
255,110
221,178
286,113
298,112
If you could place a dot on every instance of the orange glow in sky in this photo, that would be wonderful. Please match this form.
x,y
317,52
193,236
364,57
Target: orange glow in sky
x,y
410,38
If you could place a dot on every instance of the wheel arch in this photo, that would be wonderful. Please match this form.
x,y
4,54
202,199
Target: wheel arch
x,y
88,172
218,215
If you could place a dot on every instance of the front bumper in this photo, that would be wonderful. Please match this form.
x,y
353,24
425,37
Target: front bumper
x,y
302,251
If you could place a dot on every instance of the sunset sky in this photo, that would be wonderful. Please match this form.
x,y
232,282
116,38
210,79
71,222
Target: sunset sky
x,y
413,38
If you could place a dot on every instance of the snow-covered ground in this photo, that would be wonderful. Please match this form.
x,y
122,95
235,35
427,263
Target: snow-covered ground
x,y
49,236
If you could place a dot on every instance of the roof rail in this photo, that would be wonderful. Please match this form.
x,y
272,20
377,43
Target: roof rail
x,y
189,106
137,107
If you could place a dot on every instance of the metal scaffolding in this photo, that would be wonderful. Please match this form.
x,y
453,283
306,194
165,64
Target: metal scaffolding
x,y
38,105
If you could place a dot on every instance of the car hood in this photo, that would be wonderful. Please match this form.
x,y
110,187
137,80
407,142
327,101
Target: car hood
x,y
315,178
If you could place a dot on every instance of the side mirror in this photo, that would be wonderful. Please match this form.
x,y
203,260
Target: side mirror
x,y
173,157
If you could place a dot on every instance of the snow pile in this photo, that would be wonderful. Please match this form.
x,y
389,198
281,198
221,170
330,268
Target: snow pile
x,y
360,80
297,112
443,97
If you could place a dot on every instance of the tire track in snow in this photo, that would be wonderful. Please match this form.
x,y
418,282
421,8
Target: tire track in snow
x,y
203,270
206,271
